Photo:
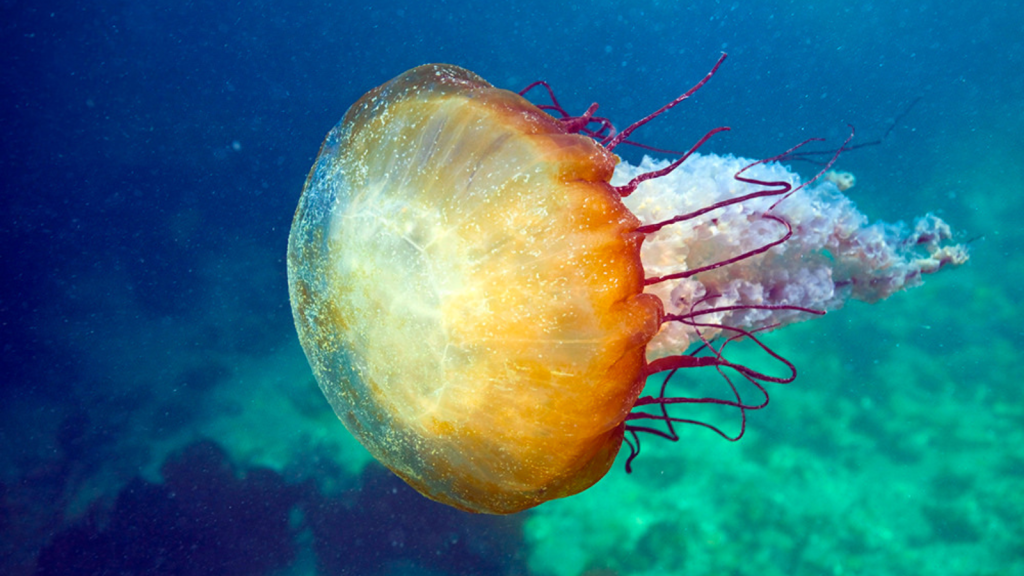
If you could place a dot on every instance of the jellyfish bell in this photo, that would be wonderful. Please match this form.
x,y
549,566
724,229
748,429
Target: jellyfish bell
x,y
475,299
468,289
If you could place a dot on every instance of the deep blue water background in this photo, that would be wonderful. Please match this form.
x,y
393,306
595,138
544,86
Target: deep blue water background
x,y
153,154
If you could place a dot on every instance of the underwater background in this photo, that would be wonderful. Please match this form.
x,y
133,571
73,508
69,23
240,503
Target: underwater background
x,y
157,415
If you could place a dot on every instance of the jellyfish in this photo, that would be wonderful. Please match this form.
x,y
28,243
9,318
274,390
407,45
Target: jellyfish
x,y
482,288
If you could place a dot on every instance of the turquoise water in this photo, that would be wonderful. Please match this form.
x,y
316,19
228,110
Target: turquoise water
x,y
157,415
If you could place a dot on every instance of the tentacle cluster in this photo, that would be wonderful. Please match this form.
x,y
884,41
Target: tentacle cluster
x,y
872,263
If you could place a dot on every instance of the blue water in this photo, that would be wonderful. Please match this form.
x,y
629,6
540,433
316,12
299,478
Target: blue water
x,y
156,414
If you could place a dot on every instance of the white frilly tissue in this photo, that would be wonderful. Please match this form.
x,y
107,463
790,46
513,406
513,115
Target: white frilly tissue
x,y
834,253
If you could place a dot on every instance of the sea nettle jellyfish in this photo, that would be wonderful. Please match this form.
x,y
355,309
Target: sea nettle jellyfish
x,y
482,288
